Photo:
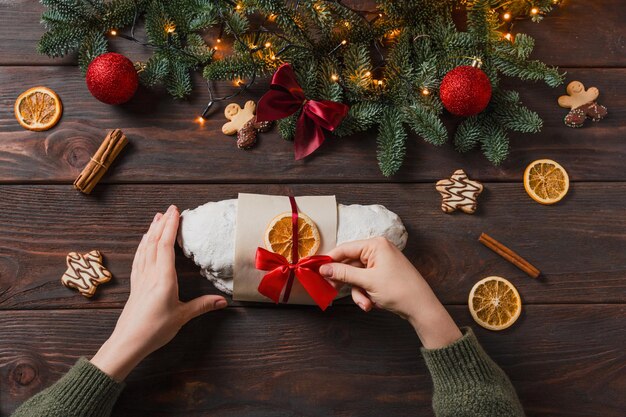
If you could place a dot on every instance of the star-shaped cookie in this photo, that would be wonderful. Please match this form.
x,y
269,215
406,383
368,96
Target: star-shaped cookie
x,y
459,193
85,272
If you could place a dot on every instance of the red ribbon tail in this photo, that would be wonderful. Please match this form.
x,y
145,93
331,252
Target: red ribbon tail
x,y
320,290
309,137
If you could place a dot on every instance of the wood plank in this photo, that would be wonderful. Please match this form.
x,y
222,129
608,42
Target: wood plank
x,y
565,360
577,244
582,33
167,146
568,38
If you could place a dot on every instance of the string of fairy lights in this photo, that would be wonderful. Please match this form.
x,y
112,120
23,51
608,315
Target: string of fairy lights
x,y
255,47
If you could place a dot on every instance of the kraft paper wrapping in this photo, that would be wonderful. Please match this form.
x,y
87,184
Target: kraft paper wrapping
x,y
254,214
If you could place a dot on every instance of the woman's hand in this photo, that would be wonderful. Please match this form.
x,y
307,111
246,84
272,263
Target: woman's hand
x,y
382,276
153,314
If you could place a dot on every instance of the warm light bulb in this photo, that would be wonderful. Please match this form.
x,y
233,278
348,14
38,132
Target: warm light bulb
x,y
268,44
506,16
271,17
380,82
534,10
334,77
346,24
113,32
200,120
380,15
170,29
508,36
367,74
215,48
273,57
343,42
219,40
425,91
238,7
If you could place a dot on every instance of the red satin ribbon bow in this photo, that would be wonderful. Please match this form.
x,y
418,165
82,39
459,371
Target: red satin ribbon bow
x,y
286,97
306,270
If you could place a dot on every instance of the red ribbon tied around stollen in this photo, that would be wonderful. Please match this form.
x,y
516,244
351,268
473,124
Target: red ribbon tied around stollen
x,y
285,97
306,270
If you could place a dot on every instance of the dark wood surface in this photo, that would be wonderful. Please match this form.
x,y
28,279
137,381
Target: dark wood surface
x,y
565,355
306,362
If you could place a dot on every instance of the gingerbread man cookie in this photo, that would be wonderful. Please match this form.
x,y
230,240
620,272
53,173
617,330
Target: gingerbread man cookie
x,y
237,116
459,193
582,104
85,272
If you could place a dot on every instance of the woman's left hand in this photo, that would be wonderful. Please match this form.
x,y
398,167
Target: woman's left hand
x,y
153,314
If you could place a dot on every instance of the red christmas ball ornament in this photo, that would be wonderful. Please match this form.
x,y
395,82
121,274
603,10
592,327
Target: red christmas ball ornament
x,y
112,78
465,90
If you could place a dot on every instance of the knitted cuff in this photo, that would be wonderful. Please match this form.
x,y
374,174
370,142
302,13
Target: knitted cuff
x,y
87,388
460,364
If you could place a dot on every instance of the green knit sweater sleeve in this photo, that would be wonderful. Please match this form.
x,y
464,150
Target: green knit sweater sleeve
x,y
85,391
468,383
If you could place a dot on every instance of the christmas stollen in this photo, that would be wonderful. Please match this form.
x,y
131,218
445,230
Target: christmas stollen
x,y
207,235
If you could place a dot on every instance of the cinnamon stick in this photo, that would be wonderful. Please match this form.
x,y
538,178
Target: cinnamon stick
x,y
509,255
111,146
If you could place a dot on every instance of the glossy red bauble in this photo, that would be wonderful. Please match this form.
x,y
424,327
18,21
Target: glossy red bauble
x,y
465,91
112,78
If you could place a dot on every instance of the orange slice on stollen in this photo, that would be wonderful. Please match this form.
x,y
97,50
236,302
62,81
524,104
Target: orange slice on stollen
x,y
279,238
494,303
38,108
546,181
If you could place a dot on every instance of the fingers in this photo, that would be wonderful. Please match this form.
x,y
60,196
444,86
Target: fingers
x,y
349,251
165,251
138,262
347,274
154,235
203,304
361,299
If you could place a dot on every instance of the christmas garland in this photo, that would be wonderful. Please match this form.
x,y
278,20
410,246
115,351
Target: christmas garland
x,y
386,63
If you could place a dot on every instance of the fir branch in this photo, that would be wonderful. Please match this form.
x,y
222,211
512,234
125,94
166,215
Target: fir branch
x,y
93,44
230,68
527,70
494,142
426,123
361,116
178,81
391,143
468,134
287,126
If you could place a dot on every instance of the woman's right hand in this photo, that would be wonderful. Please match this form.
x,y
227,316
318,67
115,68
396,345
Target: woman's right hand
x,y
382,276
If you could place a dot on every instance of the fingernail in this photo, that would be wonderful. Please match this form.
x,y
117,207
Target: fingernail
x,y
221,304
171,209
157,217
362,306
326,270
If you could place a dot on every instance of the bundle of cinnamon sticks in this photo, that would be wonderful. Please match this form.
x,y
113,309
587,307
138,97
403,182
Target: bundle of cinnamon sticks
x,y
112,145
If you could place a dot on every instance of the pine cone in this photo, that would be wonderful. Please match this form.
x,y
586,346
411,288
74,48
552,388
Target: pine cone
x,y
246,136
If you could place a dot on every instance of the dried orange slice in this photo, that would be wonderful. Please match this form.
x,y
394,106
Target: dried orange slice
x,y
38,108
279,238
494,303
546,181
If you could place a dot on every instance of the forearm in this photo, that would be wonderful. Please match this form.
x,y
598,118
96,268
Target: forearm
x,y
468,383
431,320
117,357
84,391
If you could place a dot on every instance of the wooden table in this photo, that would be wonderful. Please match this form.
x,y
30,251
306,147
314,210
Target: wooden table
x,y
565,355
